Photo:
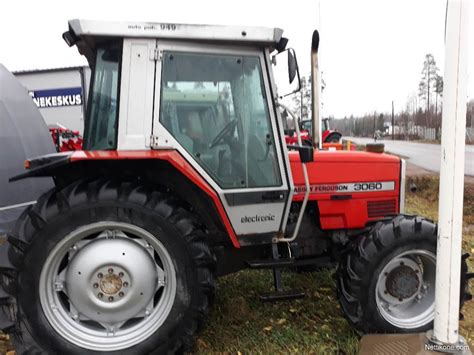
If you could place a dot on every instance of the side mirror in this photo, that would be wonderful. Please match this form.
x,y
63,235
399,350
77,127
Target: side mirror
x,y
292,65
285,74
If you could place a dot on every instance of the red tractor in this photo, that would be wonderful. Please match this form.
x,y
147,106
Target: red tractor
x,y
328,135
185,176
64,139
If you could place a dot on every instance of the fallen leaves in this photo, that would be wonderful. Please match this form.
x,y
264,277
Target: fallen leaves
x,y
202,344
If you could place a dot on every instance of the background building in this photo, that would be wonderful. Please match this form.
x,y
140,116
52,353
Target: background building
x,y
60,94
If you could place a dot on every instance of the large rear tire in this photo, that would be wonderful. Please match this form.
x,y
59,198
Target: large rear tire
x,y
108,267
386,283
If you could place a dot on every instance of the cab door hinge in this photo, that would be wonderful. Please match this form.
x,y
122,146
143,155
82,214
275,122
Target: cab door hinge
x,y
154,142
156,54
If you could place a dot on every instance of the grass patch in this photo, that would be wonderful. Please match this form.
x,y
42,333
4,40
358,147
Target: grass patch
x,y
315,324
240,322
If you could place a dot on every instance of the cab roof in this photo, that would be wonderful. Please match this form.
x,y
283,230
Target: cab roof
x,y
208,33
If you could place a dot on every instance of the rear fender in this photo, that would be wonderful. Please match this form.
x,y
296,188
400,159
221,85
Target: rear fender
x,y
332,136
165,168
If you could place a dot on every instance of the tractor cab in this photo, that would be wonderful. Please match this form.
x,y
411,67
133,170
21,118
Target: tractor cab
x,y
205,91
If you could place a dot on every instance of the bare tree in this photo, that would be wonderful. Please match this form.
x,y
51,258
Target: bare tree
x,y
427,82
470,114
438,89
302,99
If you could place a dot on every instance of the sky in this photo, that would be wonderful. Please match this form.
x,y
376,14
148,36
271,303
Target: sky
x,y
371,52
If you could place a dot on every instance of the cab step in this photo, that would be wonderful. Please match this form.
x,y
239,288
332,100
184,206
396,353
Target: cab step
x,y
270,263
319,262
276,264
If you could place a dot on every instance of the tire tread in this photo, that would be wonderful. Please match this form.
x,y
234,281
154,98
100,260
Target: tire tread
x,y
56,202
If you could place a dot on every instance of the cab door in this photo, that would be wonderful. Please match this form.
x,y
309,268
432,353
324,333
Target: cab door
x,y
213,105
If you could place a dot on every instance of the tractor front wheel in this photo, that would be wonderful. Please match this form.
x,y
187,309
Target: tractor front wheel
x,y
386,283
109,267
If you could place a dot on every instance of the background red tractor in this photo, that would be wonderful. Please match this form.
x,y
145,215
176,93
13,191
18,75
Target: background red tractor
x,y
186,176
64,139
328,135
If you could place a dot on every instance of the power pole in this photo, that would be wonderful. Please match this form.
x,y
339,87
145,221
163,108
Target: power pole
x,y
301,98
375,119
451,183
393,123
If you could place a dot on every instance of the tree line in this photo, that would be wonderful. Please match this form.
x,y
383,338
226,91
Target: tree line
x,y
421,114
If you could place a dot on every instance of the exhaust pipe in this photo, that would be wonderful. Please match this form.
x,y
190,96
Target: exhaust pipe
x,y
315,88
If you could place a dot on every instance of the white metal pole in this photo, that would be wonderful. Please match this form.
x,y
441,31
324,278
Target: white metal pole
x,y
448,266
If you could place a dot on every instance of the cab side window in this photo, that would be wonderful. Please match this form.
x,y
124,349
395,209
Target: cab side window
x,y
214,106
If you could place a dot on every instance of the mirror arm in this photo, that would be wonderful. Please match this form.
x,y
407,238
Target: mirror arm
x,y
295,120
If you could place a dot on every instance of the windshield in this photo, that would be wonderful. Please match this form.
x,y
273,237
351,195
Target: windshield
x,y
101,123
215,106
307,125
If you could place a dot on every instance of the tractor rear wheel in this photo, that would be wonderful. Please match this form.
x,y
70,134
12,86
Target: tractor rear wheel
x,y
386,283
109,267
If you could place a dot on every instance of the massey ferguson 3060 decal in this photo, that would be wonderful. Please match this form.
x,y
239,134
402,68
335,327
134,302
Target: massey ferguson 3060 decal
x,y
349,187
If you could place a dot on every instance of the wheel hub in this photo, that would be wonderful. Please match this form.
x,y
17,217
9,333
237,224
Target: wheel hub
x,y
405,289
111,280
402,282
111,284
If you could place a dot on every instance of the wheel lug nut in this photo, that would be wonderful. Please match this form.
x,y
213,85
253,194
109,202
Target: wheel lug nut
x,y
100,295
121,294
96,285
402,263
100,275
111,271
120,274
125,284
111,299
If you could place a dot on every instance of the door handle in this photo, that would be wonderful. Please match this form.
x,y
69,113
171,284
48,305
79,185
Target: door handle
x,y
273,196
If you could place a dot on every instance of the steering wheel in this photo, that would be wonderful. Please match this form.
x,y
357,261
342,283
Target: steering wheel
x,y
226,131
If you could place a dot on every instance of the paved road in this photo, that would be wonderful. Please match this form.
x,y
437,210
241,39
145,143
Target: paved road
x,y
424,155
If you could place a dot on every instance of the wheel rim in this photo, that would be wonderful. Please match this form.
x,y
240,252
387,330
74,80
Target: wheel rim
x,y
107,286
405,289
